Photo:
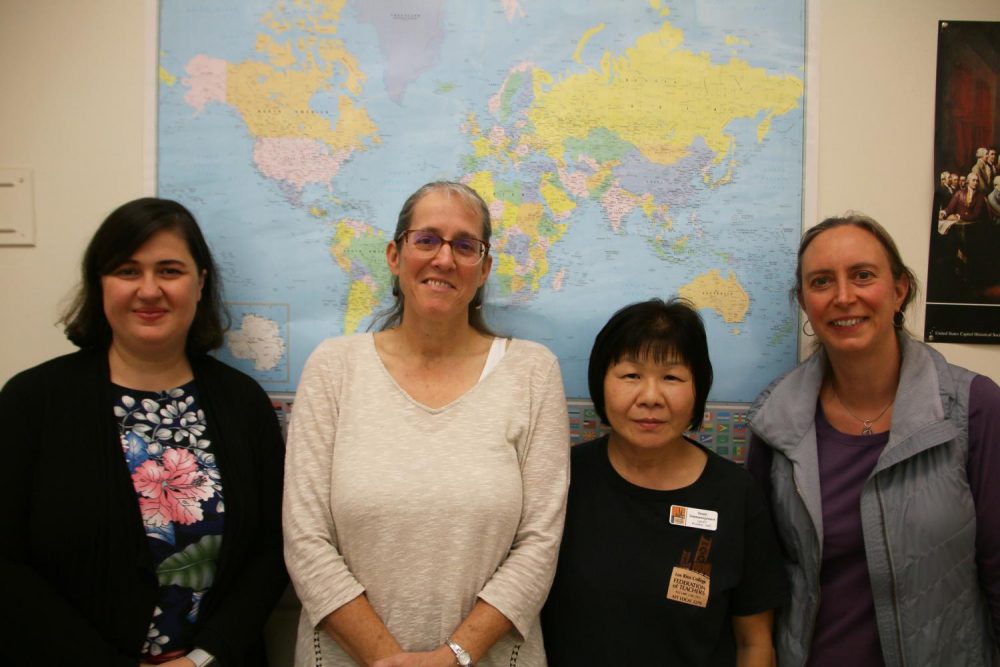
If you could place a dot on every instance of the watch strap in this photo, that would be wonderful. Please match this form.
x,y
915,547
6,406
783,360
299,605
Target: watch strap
x,y
461,655
200,657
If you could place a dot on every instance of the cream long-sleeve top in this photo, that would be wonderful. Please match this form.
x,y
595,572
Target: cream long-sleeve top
x,y
425,509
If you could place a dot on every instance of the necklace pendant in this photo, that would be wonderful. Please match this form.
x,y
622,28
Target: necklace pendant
x,y
866,423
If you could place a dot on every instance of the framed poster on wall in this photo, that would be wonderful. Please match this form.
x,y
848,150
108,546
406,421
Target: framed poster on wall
x,y
963,274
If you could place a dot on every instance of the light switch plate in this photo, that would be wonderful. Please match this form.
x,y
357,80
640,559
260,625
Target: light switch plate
x,y
17,207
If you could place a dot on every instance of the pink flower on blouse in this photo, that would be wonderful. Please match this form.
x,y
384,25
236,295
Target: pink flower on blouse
x,y
173,490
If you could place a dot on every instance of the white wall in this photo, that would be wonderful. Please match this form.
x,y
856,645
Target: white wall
x,y
72,85
876,114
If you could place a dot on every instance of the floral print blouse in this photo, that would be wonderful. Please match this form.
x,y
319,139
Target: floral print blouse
x,y
165,442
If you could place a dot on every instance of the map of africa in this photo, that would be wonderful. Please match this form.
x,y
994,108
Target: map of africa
x,y
627,150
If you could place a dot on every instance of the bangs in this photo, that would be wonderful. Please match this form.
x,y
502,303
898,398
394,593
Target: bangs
x,y
665,332
123,240
664,351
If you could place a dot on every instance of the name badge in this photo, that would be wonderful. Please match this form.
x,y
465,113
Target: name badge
x,y
689,587
692,517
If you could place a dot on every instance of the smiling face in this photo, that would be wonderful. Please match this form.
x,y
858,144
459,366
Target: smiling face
x,y
848,291
151,299
649,403
436,285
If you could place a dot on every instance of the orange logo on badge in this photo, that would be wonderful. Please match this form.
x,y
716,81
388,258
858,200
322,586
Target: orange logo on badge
x,y
692,517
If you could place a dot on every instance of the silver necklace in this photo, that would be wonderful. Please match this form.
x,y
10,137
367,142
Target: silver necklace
x,y
867,423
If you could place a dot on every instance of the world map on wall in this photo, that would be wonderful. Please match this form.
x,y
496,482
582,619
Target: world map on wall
x,y
626,149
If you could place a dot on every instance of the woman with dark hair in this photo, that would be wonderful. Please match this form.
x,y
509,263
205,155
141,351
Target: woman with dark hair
x,y
426,477
668,556
141,516
879,462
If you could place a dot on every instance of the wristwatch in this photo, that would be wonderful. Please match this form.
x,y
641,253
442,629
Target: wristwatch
x,y
461,655
200,657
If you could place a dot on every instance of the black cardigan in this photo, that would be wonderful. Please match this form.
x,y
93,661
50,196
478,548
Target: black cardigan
x,y
77,576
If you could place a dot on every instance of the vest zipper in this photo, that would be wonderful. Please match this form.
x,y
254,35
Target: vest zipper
x,y
892,576
819,558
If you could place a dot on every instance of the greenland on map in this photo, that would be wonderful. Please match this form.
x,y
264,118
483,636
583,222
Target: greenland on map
x,y
627,150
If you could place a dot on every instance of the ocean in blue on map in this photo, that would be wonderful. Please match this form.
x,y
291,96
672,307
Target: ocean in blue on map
x,y
626,149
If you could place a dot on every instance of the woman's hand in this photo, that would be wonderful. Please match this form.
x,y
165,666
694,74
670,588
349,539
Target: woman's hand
x,y
360,632
440,657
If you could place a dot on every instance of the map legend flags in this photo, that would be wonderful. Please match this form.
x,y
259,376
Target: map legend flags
x,y
724,429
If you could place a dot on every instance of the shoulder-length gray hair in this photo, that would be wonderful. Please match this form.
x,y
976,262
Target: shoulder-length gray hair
x,y
392,316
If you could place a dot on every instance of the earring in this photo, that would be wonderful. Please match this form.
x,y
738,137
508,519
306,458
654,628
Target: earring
x,y
808,333
898,319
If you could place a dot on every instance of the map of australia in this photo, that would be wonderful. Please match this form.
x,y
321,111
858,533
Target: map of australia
x,y
626,150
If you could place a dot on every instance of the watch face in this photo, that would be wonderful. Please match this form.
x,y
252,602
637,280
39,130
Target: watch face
x,y
461,655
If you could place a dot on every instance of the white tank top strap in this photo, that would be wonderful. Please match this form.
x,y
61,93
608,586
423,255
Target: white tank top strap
x,y
497,350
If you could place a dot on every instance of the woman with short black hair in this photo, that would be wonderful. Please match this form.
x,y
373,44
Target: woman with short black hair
x,y
668,556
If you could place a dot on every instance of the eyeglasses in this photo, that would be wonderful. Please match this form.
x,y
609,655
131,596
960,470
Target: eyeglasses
x,y
465,249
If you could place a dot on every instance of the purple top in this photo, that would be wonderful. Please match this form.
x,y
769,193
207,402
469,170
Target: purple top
x,y
846,630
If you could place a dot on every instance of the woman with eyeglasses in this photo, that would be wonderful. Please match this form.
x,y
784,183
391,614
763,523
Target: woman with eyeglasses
x,y
427,466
